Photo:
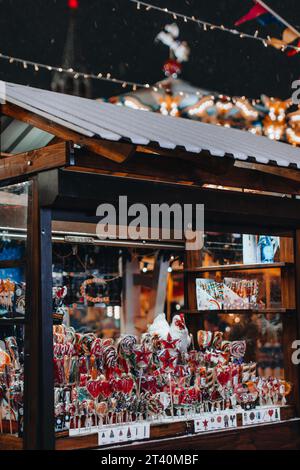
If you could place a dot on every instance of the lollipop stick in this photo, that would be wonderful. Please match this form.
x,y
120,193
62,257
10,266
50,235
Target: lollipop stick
x,y
10,420
1,419
171,395
192,341
96,415
140,382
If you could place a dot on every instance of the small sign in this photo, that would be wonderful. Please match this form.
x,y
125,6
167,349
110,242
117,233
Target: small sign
x,y
74,239
124,433
262,414
213,421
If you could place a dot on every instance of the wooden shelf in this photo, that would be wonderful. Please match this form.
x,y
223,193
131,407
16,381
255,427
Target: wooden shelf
x,y
241,311
238,267
283,435
160,432
10,442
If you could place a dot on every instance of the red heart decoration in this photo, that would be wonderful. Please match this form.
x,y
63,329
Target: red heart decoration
x,y
271,412
83,380
94,388
105,388
223,377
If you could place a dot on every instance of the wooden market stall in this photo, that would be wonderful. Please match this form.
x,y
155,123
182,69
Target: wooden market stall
x,y
76,153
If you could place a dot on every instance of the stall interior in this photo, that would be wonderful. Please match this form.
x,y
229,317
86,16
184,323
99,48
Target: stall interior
x,y
142,335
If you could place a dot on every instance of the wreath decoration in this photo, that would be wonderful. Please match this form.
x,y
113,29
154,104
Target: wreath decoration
x,y
89,298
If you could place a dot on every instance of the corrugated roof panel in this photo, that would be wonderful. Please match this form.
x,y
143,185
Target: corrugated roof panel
x,y
112,122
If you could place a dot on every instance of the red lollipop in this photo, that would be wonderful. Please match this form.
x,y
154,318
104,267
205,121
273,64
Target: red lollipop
x,y
83,369
116,385
169,343
142,357
94,388
105,388
128,385
149,384
167,360
223,376
83,380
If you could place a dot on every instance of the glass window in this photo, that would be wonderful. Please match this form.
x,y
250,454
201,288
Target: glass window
x,y
94,282
13,234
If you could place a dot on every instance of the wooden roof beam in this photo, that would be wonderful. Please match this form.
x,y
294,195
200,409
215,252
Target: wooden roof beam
x,y
46,158
227,161
198,171
115,151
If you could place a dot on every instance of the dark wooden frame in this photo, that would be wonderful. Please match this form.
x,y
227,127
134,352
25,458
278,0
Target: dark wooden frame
x,y
69,182
38,327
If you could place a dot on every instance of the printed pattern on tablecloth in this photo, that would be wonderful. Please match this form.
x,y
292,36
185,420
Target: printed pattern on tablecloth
x,y
213,421
266,414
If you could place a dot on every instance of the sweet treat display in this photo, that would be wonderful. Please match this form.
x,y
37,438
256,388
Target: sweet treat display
x,y
99,382
11,386
230,294
12,297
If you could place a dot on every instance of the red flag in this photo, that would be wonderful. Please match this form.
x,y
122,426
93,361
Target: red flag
x,y
256,11
293,52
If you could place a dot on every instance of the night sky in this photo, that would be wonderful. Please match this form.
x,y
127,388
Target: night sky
x,y
116,38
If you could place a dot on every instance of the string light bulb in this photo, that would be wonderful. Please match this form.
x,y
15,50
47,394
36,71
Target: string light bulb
x,y
76,74
73,4
205,24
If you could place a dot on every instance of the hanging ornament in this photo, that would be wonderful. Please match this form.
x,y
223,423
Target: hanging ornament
x,y
172,68
179,51
89,298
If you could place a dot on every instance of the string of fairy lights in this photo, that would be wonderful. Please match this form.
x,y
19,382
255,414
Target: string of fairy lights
x,y
76,74
107,77
207,26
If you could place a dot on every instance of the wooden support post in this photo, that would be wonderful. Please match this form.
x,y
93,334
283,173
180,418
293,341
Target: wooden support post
x,y
38,383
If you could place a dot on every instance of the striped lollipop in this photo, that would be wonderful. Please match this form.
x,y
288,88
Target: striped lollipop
x,y
238,349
